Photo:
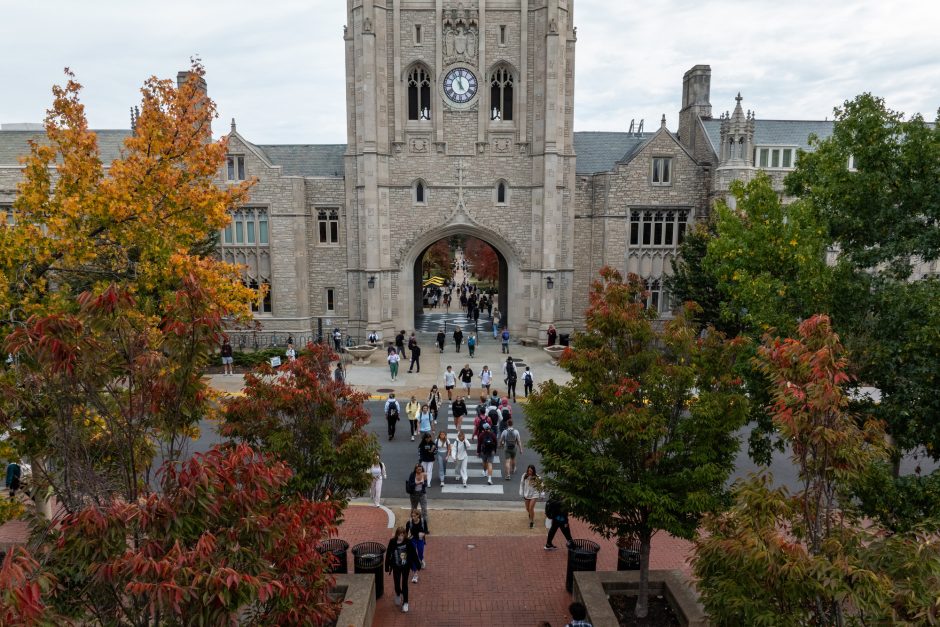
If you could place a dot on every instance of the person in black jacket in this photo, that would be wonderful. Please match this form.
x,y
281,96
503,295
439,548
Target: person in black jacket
x,y
415,358
441,338
400,558
458,338
557,511
417,528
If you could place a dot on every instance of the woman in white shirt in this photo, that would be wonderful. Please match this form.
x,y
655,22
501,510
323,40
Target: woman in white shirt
x,y
377,471
459,451
393,360
486,377
530,490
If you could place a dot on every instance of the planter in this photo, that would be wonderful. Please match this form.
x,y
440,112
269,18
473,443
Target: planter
x,y
555,351
362,353
356,593
593,589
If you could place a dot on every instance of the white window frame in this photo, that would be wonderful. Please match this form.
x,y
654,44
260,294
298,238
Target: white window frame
x,y
235,168
770,155
656,171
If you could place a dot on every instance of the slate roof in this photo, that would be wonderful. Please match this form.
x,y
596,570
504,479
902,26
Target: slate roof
x,y
307,159
600,151
776,132
15,144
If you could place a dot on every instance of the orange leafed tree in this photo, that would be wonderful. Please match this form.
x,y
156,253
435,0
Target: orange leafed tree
x,y
483,260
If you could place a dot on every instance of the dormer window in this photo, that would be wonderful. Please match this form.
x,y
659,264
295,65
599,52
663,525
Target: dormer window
x,y
775,158
236,167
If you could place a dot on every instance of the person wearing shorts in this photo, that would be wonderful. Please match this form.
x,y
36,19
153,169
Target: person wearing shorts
x,y
450,380
227,359
466,377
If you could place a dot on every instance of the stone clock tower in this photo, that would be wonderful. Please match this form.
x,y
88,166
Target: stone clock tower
x,y
460,122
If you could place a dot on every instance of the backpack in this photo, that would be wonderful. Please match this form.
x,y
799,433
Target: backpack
x,y
493,415
472,341
505,336
527,376
392,412
409,486
488,442
510,444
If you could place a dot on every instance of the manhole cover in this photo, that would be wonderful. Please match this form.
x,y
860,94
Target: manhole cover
x,y
384,390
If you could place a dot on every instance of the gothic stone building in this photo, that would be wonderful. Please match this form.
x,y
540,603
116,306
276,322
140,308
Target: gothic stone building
x,y
460,122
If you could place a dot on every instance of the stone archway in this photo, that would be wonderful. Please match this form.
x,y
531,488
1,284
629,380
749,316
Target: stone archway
x,y
509,279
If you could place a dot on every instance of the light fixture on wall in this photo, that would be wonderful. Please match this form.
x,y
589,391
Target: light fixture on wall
x,y
371,281
550,283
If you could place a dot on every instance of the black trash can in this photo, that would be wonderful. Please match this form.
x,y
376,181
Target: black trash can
x,y
564,339
336,548
628,556
369,558
582,555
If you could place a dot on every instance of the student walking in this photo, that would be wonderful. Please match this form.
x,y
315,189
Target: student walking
x,y
461,456
505,339
510,369
417,488
393,360
415,358
471,343
400,342
527,381
400,557
424,420
443,452
417,528
488,446
511,443
557,512
466,377
427,449
227,359
486,378
529,490
458,338
434,402
441,338
459,409
378,473
411,410
450,381
392,413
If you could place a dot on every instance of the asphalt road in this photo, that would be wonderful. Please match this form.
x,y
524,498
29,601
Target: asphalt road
x,y
401,454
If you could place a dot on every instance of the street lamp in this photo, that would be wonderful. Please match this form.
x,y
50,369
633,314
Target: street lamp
x,y
371,281
550,283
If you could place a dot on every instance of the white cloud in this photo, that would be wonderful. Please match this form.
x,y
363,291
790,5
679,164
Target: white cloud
x,y
278,66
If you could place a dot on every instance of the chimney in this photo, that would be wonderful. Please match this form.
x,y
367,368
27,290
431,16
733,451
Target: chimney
x,y
696,102
183,77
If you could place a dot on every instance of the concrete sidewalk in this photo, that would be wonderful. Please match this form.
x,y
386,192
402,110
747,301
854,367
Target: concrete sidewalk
x,y
486,567
374,378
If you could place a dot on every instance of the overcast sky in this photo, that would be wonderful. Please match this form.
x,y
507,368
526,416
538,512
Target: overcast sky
x,y
277,66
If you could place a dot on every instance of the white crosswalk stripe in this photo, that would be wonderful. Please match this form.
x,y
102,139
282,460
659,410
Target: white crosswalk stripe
x,y
476,477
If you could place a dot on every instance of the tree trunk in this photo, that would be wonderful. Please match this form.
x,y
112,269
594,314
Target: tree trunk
x,y
642,597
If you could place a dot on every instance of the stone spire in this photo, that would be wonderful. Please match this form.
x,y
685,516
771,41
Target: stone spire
x,y
737,137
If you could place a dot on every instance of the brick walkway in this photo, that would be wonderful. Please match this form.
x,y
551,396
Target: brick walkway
x,y
486,580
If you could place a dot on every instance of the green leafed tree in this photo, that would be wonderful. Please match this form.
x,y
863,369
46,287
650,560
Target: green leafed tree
x,y
642,439
299,414
776,558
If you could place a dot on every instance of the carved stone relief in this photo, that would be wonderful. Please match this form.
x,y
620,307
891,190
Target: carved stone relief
x,y
461,34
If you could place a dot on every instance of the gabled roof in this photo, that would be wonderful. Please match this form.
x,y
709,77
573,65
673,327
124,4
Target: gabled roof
x,y
775,132
601,151
306,159
15,144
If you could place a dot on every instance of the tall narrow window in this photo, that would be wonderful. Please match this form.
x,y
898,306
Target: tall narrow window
x,y
683,224
417,34
502,35
419,94
328,226
6,213
239,227
266,299
501,95
420,195
647,228
262,227
634,228
330,299
502,193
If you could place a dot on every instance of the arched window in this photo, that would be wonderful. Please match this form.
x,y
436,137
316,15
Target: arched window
x,y
420,194
502,193
501,95
419,93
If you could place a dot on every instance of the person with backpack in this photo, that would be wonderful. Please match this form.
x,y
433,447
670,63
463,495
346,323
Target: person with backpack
x,y
411,410
505,416
471,343
441,338
557,512
400,557
466,377
527,381
458,338
392,413
511,378
459,409
486,379
511,442
478,424
488,444
417,528
461,457
504,336
434,402
417,488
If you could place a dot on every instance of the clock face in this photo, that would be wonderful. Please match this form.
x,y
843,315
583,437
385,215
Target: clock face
x,y
460,85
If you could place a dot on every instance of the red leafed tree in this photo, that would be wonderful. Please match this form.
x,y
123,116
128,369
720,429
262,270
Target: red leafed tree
x,y
483,260
218,546
439,260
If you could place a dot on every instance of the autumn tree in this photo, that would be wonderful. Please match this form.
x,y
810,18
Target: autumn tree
x,y
643,438
808,559
438,259
218,545
301,415
113,306
484,263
